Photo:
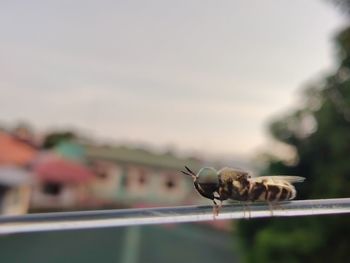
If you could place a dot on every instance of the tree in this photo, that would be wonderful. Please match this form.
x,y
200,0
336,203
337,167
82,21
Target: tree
x,y
320,133
53,139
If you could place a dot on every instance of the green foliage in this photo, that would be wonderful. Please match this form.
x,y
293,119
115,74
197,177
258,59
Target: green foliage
x,y
320,133
53,139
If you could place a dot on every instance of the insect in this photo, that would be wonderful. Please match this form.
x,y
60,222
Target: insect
x,y
238,185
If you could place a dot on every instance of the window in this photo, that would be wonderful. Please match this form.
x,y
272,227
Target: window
x,y
52,188
170,183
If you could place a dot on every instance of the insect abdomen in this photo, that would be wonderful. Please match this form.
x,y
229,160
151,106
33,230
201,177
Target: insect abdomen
x,y
271,192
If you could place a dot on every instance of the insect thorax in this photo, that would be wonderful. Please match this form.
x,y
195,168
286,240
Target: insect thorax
x,y
235,188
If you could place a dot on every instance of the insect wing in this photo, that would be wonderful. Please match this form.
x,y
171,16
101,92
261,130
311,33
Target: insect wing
x,y
279,178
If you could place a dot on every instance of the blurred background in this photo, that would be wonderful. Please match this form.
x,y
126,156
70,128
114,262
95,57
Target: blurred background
x,y
104,102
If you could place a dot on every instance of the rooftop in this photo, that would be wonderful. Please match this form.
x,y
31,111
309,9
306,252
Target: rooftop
x,y
136,156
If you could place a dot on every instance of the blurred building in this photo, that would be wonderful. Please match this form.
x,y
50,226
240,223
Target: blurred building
x,y
60,183
72,175
15,190
15,177
15,151
136,177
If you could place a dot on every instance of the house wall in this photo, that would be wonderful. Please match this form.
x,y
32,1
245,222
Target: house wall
x,y
16,201
131,184
68,197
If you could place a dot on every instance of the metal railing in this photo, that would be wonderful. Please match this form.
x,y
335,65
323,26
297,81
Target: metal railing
x,y
130,217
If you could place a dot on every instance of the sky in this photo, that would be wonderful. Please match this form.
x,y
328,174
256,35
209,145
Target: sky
x,y
197,76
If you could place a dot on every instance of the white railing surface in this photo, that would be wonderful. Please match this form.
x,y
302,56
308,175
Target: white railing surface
x,y
131,217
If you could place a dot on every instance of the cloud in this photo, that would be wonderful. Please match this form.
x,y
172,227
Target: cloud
x,y
199,75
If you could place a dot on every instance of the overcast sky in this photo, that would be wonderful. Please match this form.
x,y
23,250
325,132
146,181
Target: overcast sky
x,y
200,75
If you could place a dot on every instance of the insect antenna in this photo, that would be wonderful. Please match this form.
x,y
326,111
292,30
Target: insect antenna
x,y
189,173
186,173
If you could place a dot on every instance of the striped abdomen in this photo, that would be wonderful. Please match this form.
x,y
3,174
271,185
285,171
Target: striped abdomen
x,y
271,192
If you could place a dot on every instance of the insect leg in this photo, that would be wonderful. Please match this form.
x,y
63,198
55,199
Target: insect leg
x,y
274,205
278,206
219,207
243,206
215,209
271,206
248,209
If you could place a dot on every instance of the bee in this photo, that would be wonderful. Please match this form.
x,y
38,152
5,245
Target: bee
x,y
239,185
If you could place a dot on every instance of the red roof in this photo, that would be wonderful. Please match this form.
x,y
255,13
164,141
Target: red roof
x,y
15,152
62,170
